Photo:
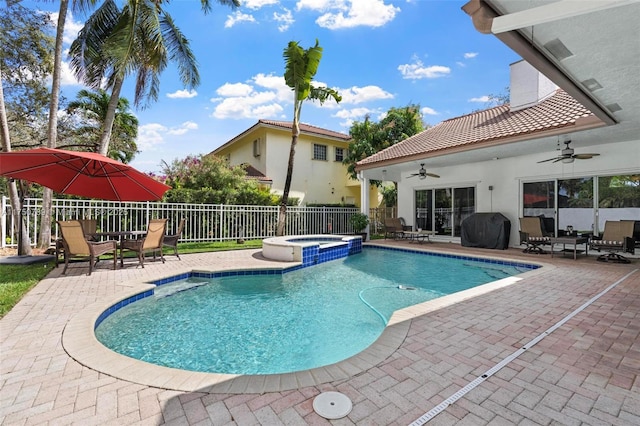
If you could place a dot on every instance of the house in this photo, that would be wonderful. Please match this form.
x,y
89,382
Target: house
x,y
567,147
319,177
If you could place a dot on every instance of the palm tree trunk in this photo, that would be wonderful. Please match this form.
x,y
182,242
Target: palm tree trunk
x,y
110,117
52,133
282,217
24,247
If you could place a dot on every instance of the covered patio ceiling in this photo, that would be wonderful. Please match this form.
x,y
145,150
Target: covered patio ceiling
x,y
589,48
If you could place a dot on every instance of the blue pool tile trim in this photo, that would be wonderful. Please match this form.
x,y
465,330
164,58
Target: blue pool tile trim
x,y
521,265
312,255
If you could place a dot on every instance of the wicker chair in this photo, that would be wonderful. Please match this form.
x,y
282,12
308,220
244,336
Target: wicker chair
x,y
617,237
531,234
75,244
172,240
151,242
393,228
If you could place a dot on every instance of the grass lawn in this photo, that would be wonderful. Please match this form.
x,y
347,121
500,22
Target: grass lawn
x,y
17,280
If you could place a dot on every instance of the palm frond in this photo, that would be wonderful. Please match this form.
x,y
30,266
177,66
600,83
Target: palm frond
x,y
180,52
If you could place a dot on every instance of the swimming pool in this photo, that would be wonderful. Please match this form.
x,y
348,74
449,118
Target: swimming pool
x,y
249,324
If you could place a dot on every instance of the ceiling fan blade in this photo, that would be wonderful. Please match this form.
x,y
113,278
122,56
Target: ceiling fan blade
x,y
433,175
550,159
560,159
585,156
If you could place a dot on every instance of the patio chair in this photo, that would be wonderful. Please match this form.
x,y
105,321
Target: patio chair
x,y
531,234
75,244
393,227
617,237
172,240
151,242
90,227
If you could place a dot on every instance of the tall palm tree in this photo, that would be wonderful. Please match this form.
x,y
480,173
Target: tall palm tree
x,y
141,38
300,67
92,107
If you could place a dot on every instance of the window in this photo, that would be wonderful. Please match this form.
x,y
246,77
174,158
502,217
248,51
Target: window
x,y
256,148
319,152
339,154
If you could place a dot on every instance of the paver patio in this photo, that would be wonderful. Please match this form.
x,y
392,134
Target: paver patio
x,y
584,372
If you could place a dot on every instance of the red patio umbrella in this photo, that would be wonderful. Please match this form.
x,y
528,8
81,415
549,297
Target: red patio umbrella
x,y
81,173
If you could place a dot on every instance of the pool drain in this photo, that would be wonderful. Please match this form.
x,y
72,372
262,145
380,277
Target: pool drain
x,y
332,405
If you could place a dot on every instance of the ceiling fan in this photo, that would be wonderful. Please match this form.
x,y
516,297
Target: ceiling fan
x,y
568,155
423,173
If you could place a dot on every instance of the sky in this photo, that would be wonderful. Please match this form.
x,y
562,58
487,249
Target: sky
x,y
377,54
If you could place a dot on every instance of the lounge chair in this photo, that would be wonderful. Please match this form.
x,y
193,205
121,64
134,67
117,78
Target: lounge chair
x,y
172,240
617,237
75,244
393,227
531,234
151,242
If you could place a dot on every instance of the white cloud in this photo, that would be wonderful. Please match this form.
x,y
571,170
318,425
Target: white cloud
x,y
71,27
183,128
267,95
259,98
417,70
429,111
285,19
238,17
276,83
358,95
66,75
182,94
353,113
234,89
461,64
151,135
338,14
257,4
484,98
470,55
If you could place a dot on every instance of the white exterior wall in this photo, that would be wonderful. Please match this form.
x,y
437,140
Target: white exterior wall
x,y
313,180
507,175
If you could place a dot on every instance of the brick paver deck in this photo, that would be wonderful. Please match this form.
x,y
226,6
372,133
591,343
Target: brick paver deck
x,y
584,372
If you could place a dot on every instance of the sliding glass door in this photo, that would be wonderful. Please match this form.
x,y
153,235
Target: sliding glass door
x,y
583,204
443,210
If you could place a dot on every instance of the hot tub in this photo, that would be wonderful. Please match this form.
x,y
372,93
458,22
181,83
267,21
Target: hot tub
x,y
310,249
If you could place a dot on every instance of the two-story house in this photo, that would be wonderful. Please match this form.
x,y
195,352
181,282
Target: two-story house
x,y
318,173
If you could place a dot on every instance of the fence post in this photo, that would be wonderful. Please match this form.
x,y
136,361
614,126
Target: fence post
x,y
3,226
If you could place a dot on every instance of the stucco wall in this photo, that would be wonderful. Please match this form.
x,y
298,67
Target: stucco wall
x,y
313,181
507,175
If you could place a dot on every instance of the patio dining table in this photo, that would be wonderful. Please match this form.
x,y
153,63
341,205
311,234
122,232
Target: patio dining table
x,y
119,235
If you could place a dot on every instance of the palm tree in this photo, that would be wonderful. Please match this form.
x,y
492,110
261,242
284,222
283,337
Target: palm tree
x,y
300,67
92,108
141,38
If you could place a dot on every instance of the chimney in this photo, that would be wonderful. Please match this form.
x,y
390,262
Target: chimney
x,y
528,86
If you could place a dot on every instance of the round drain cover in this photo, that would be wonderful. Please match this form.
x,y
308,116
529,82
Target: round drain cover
x,y
332,405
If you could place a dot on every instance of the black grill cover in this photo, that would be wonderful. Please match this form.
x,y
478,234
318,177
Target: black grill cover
x,y
486,230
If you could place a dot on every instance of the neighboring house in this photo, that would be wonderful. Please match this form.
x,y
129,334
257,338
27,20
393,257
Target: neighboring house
x,y
503,159
319,177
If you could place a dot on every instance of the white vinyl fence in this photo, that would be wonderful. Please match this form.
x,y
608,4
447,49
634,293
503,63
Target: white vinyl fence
x,y
204,222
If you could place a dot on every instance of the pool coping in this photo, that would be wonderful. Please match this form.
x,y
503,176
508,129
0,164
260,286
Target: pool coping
x,y
80,343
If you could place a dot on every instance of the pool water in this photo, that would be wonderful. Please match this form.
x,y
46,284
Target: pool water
x,y
264,324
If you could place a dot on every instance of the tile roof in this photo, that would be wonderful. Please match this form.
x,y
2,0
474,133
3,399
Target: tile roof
x,y
307,128
253,173
473,130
